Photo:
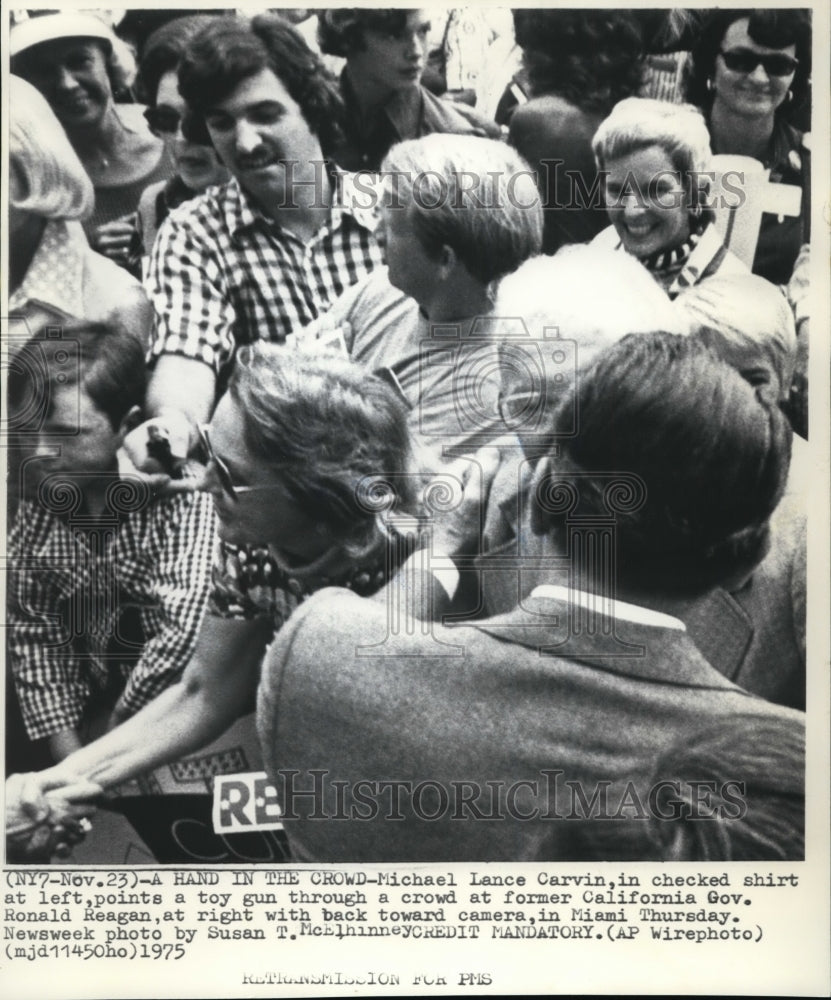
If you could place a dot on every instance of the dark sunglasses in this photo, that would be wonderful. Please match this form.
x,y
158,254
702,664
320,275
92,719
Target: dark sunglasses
x,y
163,120
746,61
222,471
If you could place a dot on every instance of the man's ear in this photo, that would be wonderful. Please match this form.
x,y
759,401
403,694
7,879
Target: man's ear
x,y
130,421
448,259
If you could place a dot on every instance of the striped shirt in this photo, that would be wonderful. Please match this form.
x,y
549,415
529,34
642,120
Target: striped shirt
x,y
72,585
222,274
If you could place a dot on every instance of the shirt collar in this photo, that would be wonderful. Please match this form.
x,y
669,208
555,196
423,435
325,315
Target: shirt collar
x,y
703,256
619,610
55,276
351,197
405,110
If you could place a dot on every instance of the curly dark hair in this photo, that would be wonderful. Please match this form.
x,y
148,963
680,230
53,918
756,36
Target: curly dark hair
x,y
233,49
164,50
340,31
775,29
592,58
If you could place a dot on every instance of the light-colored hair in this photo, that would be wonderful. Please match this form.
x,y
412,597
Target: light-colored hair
x,y
333,430
52,181
30,32
747,321
592,295
477,196
639,122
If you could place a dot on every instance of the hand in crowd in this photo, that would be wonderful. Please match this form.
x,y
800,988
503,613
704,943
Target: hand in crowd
x,y
456,499
457,530
324,335
46,817
115,240
157,451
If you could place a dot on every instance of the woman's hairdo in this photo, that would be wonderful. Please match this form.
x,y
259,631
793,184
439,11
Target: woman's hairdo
x,y
47,176
163,51
773,28
639,122
329,425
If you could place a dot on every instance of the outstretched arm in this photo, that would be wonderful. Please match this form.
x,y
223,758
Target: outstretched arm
x,y
218,686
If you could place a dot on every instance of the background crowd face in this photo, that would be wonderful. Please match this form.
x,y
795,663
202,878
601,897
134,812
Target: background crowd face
x,y
196,164
646,201
255,131
71,73
754,94
393,62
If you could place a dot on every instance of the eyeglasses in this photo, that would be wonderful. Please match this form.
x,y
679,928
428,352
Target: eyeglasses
x,y
746,61
222,471
163,120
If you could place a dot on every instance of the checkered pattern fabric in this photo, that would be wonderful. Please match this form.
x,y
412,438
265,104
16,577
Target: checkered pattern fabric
x,y
68,584
222,274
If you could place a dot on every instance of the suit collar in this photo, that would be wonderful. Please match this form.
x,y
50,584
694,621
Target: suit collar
x,y
630,649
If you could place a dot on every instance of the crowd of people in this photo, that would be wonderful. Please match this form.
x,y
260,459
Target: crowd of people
x,y
446,434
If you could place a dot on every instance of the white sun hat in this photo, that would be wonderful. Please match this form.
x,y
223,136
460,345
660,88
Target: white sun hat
x,y
47,27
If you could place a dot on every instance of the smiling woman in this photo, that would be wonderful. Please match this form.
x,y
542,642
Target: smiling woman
x,y
74,60
654,158
749,70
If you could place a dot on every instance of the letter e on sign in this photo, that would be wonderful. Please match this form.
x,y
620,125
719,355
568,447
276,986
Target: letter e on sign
x,y
244,802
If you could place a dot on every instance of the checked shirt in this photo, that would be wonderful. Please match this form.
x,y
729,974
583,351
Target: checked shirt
x,y
69,585
222,274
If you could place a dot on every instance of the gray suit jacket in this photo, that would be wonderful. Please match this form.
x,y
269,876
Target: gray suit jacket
x,y
754,635
348,702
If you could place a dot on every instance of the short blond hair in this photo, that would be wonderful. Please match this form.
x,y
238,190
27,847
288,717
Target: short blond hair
x,y
639,122
49,178
493,224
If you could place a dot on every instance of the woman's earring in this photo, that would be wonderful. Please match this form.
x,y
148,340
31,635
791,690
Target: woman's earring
x,y
788,97
709,83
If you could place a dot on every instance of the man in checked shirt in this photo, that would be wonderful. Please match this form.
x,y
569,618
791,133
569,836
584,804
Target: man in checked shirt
x,y
107,584
265,254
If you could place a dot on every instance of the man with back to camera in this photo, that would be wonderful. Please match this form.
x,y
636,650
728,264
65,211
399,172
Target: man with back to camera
x,y
266,253
456,214
577,683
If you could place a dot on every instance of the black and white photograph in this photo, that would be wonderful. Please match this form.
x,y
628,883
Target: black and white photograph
x,y
417,517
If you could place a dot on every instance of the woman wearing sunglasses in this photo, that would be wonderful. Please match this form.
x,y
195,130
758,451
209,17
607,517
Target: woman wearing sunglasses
x,y
310,462
750,73
197,166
